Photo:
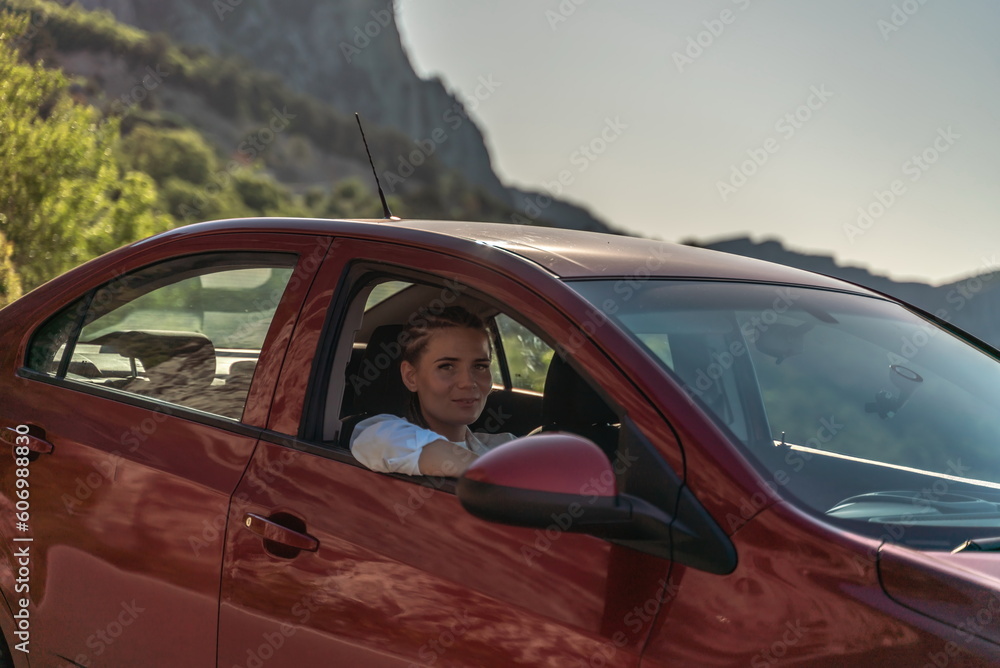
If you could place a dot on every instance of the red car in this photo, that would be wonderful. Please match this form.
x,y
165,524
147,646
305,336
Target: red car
x,y
725,462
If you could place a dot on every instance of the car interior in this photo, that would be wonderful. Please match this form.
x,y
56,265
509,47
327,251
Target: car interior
x,y
187,332
178,367
532,392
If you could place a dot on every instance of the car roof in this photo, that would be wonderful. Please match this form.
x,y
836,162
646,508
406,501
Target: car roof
x,y
566,253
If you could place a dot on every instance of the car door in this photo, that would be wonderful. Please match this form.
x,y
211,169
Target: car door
x,y
328,563
141,425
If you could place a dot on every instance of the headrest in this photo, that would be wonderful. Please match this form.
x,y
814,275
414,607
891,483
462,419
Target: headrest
x,y
570,401
242,369
377,384
188,355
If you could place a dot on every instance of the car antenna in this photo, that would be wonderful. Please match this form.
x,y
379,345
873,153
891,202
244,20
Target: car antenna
x,y
381,195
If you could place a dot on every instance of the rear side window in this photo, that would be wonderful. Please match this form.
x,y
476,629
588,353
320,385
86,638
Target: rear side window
x,y
188,331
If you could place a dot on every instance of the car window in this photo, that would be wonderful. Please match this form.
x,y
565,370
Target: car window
x,y
364,373
187,332
383,291
859,408
527,356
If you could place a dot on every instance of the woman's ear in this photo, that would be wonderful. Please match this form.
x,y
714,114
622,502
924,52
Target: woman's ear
x,y
408,372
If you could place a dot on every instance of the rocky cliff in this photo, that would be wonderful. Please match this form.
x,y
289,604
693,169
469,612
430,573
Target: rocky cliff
x,y
347,53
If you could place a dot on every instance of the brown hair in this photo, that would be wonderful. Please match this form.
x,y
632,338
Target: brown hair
x,y
417,335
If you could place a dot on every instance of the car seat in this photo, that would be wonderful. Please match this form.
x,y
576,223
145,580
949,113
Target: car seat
x,y
571,404
374,384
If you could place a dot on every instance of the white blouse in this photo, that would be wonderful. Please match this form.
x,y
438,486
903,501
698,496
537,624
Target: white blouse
x,y
391,444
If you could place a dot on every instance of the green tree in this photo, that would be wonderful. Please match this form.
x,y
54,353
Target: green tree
x,y
351,199
10,282
169,152
190,203
63,196
265,196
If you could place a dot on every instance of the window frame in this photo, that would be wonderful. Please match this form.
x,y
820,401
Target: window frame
x,y
344,318
202,263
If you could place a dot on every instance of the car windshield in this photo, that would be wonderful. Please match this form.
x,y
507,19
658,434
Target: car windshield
x,y
854,405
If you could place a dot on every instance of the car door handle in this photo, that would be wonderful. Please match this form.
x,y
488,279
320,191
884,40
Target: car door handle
x,y
270,530
34,443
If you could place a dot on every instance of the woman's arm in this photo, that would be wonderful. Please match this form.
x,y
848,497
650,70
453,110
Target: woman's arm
x,y
390,444
444,458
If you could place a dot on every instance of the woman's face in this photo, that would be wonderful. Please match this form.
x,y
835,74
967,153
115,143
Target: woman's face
x,y
452,379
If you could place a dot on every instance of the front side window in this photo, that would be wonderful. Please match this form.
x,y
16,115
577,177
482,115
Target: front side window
x,y
857,407
187,331
527,356
364,371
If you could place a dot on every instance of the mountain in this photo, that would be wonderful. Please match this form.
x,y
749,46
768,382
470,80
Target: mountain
x,y
349,55
972,303
317,61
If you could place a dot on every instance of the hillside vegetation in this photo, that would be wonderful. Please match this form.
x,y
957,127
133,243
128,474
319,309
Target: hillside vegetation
x,y
91,163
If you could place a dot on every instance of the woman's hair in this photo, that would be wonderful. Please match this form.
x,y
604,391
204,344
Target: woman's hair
x,y
418,333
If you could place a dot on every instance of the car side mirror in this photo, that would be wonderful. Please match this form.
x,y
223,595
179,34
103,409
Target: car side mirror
x,y
562,479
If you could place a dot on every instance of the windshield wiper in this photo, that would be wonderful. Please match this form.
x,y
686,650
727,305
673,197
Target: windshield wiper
x,y
979,545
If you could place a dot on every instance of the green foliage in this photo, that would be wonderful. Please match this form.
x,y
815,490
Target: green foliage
x,y
528,357
265,196
190,203
71,187
63,196
351,199
168,152
233,89
10,282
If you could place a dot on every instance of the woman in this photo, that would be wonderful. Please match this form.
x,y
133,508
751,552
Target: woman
x,y
446,365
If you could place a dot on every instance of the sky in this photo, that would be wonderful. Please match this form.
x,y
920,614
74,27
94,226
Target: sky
x,y
864,129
